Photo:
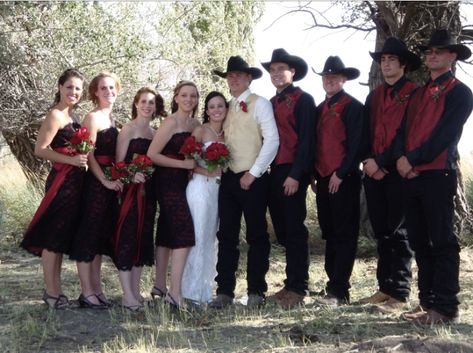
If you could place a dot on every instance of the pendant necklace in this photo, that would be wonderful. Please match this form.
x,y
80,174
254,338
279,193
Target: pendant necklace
x,y
218,134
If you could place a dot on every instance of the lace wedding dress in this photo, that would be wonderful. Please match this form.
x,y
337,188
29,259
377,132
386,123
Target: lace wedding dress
x,y
200,270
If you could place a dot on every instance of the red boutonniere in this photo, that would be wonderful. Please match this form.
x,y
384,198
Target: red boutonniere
x,y
435,92
335,109
401,99
244,106
288,101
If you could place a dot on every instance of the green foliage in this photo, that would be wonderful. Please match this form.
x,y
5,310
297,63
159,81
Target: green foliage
x,y
205,34
144,43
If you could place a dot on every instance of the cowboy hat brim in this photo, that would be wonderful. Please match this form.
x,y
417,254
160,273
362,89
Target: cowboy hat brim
x,y
349,72
463,52
253,71
413,61
293,61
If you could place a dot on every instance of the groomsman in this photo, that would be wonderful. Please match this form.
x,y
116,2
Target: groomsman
x,y
252,136
337,158
383,185
289,178
429,161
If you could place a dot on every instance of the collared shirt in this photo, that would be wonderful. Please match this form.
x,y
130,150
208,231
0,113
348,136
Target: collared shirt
x,y
264,116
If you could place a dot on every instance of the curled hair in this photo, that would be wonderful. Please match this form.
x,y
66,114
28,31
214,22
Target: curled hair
x,y
66,75
213,94
177,89
94,85
159,102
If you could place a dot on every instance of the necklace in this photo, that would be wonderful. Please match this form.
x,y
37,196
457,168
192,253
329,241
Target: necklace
x,y
218,134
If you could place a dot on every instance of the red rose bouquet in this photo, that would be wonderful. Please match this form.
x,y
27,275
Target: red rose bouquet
x,y
119,171
191,148
141,164
216,155
80,141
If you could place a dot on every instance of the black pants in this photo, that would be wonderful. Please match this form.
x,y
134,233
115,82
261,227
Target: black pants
x,y
429,221
233,201
288,214
386,208
339,219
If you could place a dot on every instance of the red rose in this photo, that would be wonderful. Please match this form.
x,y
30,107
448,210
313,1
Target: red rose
x,y
75,140
120,165
244,106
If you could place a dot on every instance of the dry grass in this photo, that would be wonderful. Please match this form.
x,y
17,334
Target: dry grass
x,y
27,326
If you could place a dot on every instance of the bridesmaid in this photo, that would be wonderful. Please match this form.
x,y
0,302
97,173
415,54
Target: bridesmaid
x,y
99,203
50,233
198,279
133,238
175,231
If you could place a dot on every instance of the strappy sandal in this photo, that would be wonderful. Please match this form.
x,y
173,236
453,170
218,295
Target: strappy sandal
x,y
168,299
85,303
58,303
103,299
158,292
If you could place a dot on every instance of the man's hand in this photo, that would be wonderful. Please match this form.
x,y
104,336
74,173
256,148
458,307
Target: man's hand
x,y
370,167
246,180
290,186
403,166
378,175
334,183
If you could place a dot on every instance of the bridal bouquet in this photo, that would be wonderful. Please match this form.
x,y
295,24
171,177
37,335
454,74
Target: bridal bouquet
x,y
80,141
216,155
191,148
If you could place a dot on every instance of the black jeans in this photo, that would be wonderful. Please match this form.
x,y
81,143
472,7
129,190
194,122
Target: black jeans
x,y
288,214
429,221
233,201
386,208
339,220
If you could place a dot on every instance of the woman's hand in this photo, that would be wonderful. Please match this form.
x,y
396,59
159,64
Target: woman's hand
x,y
188,164
115,185
79,160
139,178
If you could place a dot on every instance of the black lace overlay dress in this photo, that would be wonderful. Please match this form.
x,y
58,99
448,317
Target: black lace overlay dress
x,y
130,247
99,205
54,229
175,228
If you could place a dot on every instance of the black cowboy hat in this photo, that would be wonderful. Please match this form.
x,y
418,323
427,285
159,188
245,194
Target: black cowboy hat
x,y
236,63
334,65
397,47
441,38
295,62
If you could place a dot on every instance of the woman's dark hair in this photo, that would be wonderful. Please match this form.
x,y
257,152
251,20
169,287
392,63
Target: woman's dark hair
x,y
213,94
177,89
66,75
94,85
159,102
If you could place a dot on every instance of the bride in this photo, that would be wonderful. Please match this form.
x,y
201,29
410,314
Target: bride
x,y
202,197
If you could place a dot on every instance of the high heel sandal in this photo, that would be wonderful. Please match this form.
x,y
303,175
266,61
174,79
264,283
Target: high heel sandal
x,y
103,299
58,303
168,299
158,292
85,303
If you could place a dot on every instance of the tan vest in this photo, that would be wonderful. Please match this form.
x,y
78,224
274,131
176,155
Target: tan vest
x,y
243,135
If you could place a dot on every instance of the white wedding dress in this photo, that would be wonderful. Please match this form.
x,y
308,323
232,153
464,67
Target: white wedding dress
x,y
198,280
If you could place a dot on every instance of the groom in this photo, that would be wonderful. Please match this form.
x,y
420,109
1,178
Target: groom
x,y
252,136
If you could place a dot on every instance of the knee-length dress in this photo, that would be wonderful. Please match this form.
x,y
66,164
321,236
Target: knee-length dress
x,y
175,228
55,222
99,205
132,246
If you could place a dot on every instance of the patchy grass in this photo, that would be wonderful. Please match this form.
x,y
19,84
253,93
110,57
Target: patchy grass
x,y
27,326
